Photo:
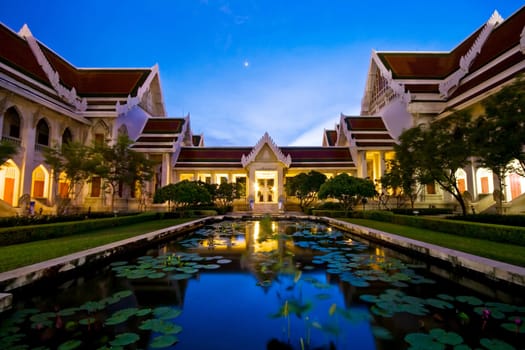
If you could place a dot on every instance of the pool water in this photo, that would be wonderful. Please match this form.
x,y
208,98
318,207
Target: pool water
x,y
267,285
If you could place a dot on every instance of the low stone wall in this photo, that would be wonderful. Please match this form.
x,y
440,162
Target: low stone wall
x,y
492,269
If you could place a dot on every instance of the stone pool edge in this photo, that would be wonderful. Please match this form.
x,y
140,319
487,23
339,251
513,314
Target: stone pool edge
x,y
492,269
26,275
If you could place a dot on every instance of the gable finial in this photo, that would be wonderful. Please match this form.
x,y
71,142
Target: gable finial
x,y
24,31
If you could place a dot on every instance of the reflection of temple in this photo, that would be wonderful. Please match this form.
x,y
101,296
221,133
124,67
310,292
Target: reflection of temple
x,y
45,102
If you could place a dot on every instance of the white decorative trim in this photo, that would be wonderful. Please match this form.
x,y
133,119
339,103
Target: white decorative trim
x,y
143,89
522,41
266,139
466,60
69,96
397,87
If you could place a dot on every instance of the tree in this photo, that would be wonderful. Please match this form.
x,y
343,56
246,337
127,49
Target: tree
x,y
7,150
499,135
348,190
400,181
183,194
305,187
119,165
505,113
225,193
436,151
74,161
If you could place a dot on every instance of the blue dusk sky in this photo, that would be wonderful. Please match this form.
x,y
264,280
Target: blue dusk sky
x,y
244,67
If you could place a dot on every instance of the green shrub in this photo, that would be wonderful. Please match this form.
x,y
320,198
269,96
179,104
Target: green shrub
x,y
330,213
22,234
423,211
378,215
510,220
496,233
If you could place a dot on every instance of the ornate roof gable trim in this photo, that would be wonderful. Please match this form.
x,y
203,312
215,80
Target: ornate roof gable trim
x,y
69,96
522,41
452,81
266,139
141,93
397,88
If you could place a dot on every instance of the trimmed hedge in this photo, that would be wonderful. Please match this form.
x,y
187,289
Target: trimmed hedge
x,y
423,211
510,220
50,219
330,213
490,232
23,234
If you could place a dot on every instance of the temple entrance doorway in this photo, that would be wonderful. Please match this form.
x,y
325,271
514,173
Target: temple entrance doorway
x,y
266,186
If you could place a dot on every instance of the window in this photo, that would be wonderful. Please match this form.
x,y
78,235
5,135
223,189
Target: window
x,y
11,125
42,133
67,138
95,186
431,188
99,139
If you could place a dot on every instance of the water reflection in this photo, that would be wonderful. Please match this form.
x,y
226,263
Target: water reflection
x,y
268,285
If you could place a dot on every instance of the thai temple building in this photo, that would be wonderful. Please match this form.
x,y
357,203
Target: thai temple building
x,y
46,101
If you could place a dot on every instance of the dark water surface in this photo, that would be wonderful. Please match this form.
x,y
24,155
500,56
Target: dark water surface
x,y
268,285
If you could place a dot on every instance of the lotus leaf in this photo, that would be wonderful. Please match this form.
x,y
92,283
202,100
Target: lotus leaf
x,y
160,326
125,339
513,327
157,275
422,341
87,321
70,344
211,266
471,300
440,304
118,263
181,276
449,338
381,333
163,341
166,313
495,344
68,312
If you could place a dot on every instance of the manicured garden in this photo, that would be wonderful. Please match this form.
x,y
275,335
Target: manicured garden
x,y
17,255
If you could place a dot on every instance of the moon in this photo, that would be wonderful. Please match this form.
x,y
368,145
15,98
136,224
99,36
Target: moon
x,y
246,64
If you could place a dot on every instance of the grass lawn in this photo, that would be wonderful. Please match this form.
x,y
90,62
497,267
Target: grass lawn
x,y
18,255
509,253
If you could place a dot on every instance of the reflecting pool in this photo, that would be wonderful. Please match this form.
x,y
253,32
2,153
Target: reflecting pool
x,y
267,285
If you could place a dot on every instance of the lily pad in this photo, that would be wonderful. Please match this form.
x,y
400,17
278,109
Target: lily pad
x,y
181,276
160,326
495,344
163,341
125,339
422,341
166,313
224,261
449,338
70,344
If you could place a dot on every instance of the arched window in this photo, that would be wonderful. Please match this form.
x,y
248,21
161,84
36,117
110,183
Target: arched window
x,y
42,133
11,127
67,137
123,130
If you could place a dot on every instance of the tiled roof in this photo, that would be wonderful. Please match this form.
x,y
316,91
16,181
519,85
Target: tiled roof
x,y
212,157
230,157
159,135
319,157
365,124
16,53
368,132
331,137
163,125
428,65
